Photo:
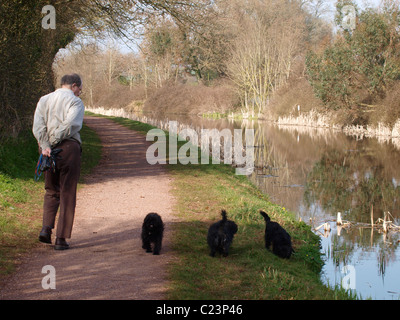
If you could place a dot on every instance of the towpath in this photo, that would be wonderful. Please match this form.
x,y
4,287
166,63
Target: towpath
x,y
106,260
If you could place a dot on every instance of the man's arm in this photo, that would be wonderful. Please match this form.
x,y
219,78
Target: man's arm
x,y
40,129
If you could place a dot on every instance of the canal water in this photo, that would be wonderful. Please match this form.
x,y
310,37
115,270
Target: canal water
x,y
317,173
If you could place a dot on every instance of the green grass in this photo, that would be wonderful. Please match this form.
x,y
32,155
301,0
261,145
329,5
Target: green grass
x,y
250,271
21,198
91,151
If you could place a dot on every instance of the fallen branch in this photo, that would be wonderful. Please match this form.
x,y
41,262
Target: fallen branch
x,y
384,225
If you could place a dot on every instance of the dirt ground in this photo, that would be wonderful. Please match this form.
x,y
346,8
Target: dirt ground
x,y
106,260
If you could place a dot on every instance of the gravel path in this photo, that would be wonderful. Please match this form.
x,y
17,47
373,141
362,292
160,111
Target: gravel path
x,y
106,260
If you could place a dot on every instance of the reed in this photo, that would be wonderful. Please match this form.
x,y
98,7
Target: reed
x,y
317,120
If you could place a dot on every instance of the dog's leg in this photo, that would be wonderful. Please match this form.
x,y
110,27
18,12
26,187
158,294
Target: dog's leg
x,y
225,251
277,251
212,252
157,246
280,251
147,245
267,241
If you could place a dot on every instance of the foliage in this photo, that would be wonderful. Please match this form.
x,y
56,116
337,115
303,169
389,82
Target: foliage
x,y
331,75
253,46
360,66
26,55
175,51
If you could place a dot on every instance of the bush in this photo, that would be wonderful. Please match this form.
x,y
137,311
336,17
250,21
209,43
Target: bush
x,y
358,68
117,95
387,110
297,91
191,99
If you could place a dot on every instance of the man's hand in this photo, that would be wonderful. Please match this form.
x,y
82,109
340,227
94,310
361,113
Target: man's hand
x,y
46,152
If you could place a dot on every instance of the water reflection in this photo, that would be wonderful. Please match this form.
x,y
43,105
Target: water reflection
x,y
351,181
317,173
374,255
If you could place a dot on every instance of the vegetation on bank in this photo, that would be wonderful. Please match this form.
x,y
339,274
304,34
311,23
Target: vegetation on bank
x,y
21,198
358,72
250,271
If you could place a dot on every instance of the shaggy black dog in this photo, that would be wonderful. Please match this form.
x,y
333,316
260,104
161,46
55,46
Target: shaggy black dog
x,y
278,237
152,232
220,235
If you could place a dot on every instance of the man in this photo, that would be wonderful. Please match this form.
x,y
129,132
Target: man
x,y
57,122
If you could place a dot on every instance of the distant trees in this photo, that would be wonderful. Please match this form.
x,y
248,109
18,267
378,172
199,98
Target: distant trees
x,y
171,49
161,52
255,44
263,52
358,69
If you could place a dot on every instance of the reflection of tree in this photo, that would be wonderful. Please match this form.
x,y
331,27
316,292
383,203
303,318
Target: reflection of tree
x,y
349,183
339,250
344,249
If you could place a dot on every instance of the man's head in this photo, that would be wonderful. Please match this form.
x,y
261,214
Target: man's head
x,y
73,82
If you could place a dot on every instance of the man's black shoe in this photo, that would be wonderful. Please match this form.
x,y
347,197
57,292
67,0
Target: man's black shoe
x,y
45,235
61,244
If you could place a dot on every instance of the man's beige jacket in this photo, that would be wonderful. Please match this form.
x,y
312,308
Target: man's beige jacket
x,y
58,116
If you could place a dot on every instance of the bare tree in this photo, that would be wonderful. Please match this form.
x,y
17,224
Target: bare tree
x,y
133,70
82,59
262,55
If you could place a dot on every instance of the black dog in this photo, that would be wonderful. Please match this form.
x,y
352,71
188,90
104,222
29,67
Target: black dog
x,y
152,232
220,235
280,239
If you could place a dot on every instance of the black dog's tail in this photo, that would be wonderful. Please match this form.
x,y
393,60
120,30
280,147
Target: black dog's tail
x,y
266,217
223,214
223,221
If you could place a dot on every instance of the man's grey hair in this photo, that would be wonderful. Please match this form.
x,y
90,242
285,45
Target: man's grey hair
x,y
70,79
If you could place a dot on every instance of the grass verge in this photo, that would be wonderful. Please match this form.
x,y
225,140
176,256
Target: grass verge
x,y
21,198
250,271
